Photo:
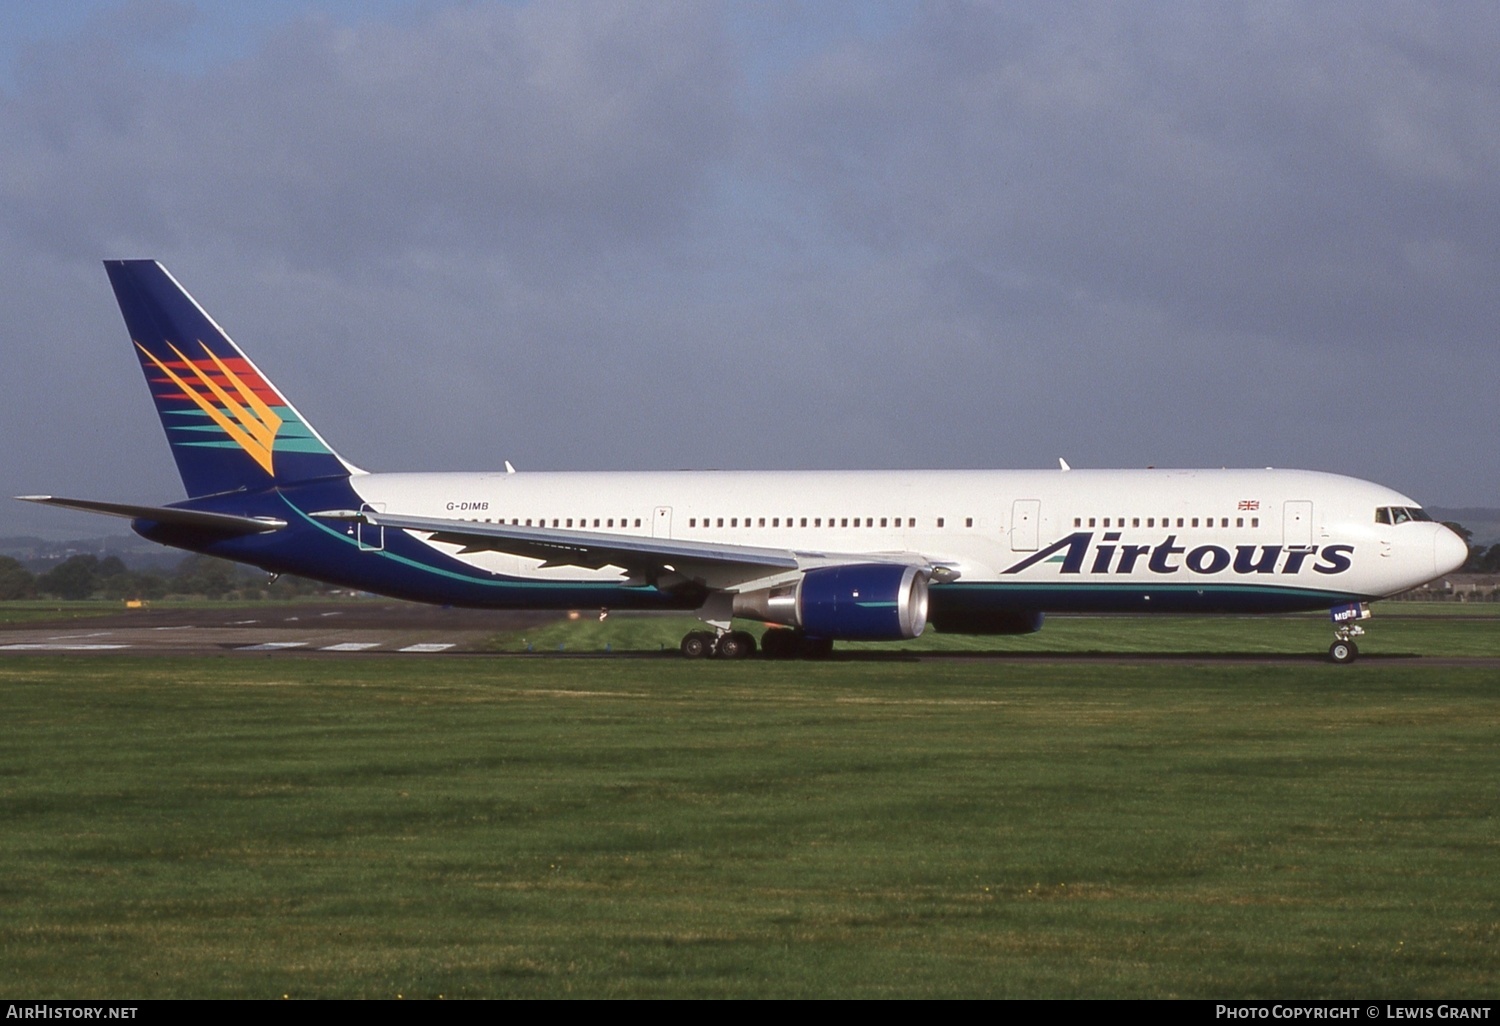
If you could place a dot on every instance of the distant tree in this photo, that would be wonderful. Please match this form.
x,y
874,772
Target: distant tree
x,y
16,582
132,584
76,577
205,575
292,586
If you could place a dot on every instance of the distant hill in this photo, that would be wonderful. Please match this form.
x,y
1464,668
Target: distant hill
x,y
41,554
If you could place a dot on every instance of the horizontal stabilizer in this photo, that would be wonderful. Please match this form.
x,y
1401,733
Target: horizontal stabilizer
x,y
224,523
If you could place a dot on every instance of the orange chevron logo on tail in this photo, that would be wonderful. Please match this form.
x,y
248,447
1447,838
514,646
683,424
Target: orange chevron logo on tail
x,y
247,420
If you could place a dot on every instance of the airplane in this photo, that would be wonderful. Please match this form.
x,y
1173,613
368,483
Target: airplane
x,y
817,556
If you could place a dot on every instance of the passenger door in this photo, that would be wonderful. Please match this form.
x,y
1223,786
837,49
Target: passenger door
x,y
1296,524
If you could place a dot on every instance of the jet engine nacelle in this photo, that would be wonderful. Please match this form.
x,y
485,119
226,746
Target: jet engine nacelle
x,y
862,602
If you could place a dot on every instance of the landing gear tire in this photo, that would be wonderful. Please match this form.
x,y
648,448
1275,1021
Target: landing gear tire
x,y
1343,652
697,645
736,645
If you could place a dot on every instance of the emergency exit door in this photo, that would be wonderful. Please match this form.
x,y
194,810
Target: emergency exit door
x,y
1025,524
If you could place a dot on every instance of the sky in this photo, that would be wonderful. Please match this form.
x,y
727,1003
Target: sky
x,y
782,235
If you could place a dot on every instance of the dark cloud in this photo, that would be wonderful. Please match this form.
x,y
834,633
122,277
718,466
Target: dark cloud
x,y
485,129
623,235
1313,173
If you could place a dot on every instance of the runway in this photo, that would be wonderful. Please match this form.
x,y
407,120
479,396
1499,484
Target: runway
x,y
384,627
373,627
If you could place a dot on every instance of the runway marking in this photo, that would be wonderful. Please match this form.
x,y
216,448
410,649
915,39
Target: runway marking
x,y
47,647
429,646
241,623
350,646
73,637
270,646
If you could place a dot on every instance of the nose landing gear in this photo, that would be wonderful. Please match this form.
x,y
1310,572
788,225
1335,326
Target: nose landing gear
x,y
1345,630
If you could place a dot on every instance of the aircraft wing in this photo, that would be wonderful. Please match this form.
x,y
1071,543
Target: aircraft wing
x,y
655,560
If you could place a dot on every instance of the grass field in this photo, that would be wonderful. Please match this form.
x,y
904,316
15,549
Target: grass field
x,y
626,827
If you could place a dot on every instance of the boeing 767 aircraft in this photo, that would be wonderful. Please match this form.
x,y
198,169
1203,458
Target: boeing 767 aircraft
x,y
823,556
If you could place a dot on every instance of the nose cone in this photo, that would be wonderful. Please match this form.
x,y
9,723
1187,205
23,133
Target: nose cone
x,y
1449,551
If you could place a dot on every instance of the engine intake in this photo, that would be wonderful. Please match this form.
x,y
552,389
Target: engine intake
x,y
861,602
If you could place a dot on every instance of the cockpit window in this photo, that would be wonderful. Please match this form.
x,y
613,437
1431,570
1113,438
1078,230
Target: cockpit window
x,y
1401,514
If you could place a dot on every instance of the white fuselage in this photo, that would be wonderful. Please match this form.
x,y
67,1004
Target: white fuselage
x,y
1274,529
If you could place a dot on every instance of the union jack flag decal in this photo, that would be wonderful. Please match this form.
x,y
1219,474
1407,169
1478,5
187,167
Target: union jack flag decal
x,y
1249,504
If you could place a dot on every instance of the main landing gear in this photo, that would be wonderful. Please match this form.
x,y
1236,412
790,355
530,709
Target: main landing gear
x,y
776,643
1345,630
726,645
